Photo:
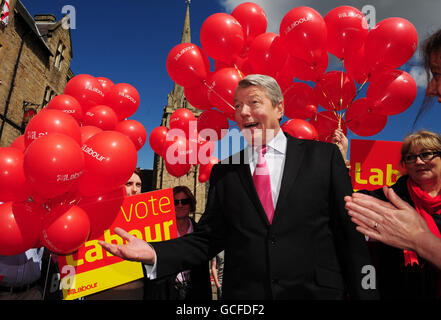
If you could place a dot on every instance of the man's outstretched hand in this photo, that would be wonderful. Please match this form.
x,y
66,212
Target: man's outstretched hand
x,y
134,250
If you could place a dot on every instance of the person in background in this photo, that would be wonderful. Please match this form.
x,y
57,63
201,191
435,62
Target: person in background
x,y
193,284
217,270
132,290
402,273
431,49
20,275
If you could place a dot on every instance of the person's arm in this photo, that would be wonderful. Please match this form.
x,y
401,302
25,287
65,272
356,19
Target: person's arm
x,y
342,143
396,224
214,272
134,250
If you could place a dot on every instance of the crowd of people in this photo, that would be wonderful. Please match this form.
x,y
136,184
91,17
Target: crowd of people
x,y
284,222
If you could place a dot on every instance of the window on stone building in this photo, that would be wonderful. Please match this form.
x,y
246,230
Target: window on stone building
x,y
47,97
59,55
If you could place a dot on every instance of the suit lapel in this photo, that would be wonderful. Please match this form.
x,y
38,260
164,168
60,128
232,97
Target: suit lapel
x,y
293,161
246,178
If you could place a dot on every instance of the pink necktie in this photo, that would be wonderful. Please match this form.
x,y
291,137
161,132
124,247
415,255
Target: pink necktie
x,y
262,183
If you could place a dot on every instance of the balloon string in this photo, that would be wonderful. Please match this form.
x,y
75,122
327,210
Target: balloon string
x,y
47,276
239,72
359,90
217,94
341,85
332,103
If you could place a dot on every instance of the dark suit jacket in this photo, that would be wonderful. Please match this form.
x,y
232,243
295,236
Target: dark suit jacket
x,y
310,251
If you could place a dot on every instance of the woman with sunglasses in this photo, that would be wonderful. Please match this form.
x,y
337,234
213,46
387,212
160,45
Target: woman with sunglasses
x,y
402,272
191,284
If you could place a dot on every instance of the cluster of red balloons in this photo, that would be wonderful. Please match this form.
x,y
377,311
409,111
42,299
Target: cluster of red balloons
x,y
189,141
239,45
61,182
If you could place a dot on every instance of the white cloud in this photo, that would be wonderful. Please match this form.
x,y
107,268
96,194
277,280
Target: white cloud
x,y
419,74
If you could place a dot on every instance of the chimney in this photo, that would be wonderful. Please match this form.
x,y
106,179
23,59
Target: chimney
x,y
45,18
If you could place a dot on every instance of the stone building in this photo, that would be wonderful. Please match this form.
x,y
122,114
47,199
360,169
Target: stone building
x,y
35,56
175,100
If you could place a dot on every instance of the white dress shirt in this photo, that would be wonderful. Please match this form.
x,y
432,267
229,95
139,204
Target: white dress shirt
x,y
275,159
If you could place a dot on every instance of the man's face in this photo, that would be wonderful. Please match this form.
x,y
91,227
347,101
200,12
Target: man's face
x,y
255,115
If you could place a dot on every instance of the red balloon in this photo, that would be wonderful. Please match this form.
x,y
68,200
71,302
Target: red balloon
x,y
301,129
205,150
205,169
177,170
198,96
157,139
20,226
106,84
101,116
390,44
391,92
177,150
110,159
134,130
362,121
356,66
216,122
67,104
123,98
188,65
285,77
222,37
178,156
102,210
308,71
326,122
19,143
303,31
183,119
86,89
267,54
243,66
70,197
252,18
300,101
53,164
65,229
335,90
51,121
12,176
223,83
88,132
347,30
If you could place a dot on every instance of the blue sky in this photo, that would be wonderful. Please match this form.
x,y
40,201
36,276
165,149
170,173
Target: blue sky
x,y
129,42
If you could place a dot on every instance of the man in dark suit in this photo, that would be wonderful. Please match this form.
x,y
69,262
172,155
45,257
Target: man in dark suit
x,y
277,210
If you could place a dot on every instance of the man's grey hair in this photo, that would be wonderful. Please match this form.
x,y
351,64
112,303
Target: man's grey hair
x,y
265,82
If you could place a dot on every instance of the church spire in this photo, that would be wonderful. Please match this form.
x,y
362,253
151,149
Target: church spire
x,y
186,33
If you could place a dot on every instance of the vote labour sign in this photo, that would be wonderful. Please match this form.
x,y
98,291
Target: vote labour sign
x,y
148,216
375,164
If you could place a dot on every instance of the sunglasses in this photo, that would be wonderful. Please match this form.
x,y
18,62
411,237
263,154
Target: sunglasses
x,y
424,156
182,201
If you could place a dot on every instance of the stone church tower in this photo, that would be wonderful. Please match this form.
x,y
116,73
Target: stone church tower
x,y
175,100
